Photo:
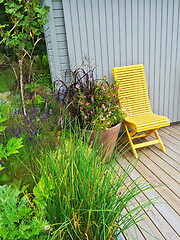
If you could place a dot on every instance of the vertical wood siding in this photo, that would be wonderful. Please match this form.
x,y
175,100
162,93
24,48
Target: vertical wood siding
x,y
125,32
56,42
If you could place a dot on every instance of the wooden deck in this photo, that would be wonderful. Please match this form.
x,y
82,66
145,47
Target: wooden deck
x,y
159,168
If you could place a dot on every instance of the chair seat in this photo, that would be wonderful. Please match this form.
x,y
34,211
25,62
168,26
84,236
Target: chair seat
x,y
148,121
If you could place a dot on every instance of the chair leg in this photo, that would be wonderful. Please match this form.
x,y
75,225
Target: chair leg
x,y
126,138
148,133
160,141
131,142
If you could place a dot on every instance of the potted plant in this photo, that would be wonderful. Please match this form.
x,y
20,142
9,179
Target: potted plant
x,y
96,105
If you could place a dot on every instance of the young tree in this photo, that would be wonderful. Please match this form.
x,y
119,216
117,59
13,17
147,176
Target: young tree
x,y
28,18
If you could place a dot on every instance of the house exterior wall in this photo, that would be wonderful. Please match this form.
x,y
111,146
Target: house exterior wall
x,y
124,32
55,36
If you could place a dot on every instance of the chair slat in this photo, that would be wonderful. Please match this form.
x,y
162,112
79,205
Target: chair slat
x,y
134,92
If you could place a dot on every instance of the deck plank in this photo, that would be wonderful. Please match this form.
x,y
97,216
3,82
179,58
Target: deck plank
x,y
177,126
164,166
158,227
159,168
171,137
174,149
173,129
138,232
169,156
171,142
162,189
172,132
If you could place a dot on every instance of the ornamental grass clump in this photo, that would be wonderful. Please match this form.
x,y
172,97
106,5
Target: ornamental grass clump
x,y
84,198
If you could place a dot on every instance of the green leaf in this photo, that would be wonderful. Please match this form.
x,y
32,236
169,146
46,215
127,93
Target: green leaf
x,y
2,119
39,99
2,151
5,178
26,86
27,101
2,128
1,168
13,144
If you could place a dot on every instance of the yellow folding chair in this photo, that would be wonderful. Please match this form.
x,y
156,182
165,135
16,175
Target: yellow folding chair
x,y
133,95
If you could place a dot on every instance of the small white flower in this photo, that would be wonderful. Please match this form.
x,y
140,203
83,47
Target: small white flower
x,y
47,228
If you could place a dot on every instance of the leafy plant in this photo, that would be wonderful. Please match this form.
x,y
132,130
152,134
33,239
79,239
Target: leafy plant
x,y
43,75
27,18
38,96
31,86
18,220
10,148
82,197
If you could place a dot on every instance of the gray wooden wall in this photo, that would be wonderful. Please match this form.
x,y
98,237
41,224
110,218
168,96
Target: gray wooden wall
x,y
56,42
123,32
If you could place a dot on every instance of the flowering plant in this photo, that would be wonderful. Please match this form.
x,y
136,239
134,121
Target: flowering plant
x,y
94,102
100,105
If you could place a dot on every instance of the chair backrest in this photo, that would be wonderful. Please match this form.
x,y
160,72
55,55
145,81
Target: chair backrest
x,y
132,89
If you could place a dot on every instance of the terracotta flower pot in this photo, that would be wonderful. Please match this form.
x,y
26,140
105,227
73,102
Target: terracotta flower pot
x,y
106,139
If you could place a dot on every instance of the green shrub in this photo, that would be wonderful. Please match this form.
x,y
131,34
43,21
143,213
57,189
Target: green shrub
x,y
42,71
17,219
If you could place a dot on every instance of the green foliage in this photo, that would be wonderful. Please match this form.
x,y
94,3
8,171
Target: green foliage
x,y
4,20
82,197
7,79
27,19
3,16
17,219
12,145
2,128
43,76
44,79
42,63
31,86
37,131
3,62
10,148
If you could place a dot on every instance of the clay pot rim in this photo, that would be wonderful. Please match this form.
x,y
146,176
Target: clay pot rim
x,y
109,129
